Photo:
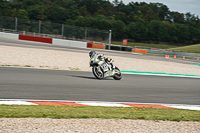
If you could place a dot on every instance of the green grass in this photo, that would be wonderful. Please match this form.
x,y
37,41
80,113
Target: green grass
x,y
44,66
67,112
56,68
77,69
12,65
189,49
27,66
161,46
17,65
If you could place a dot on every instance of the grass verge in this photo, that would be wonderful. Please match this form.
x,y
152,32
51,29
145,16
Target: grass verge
x,y
77,69
17,65
189,49
55,67
67,112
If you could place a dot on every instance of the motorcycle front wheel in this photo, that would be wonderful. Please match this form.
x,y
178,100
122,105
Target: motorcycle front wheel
x,y
98,73
118,74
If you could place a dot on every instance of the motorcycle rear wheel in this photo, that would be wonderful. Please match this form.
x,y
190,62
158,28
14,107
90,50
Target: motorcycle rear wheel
x,y
97,72
118,74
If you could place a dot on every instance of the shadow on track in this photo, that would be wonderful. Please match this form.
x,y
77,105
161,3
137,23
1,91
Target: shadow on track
x,y
85,77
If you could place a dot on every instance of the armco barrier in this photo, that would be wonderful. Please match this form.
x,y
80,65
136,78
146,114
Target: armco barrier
x,y
115,48
35,38
61,42
140,51
69,43
78,44
93,45
9,35
120,48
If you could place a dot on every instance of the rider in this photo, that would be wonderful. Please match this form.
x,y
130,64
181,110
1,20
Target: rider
x,y
107,59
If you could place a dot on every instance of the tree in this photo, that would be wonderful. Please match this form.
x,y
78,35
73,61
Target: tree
x,y
149,14
137,31
158,31
153,22
178,17
191,19
57,14
121,16
80,21
118,29
22,14
182,33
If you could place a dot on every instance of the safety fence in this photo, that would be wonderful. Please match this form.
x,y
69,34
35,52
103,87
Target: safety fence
x,y
51,30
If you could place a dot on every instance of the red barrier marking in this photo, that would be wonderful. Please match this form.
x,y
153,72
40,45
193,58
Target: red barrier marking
x,y
57,103
98,46
147,105
35,38
89,45
154,49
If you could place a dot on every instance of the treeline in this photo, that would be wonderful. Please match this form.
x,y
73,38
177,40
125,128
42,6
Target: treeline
x,y
140,22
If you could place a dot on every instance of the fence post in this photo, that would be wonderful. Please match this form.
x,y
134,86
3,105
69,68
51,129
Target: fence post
x,y
85,33
62,30
110,34
39,26
16,23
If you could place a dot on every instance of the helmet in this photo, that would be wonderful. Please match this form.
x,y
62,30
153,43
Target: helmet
x,y
92,53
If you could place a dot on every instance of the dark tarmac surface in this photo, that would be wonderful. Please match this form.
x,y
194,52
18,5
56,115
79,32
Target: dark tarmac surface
x,y
43,84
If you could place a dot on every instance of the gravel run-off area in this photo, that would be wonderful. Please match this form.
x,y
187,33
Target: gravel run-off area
x,y
67,60
47,125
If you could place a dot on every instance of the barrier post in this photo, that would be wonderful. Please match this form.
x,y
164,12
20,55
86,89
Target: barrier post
x,y
183,57
39,26
16,23
197,58
85,33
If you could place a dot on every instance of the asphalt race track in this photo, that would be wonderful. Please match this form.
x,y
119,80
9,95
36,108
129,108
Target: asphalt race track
x,y
43,84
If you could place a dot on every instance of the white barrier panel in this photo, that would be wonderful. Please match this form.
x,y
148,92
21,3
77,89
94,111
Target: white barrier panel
x,y
9,35
69,43
61,42
78,44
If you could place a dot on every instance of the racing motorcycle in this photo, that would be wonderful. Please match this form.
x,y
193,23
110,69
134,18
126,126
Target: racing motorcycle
x,y
102,69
